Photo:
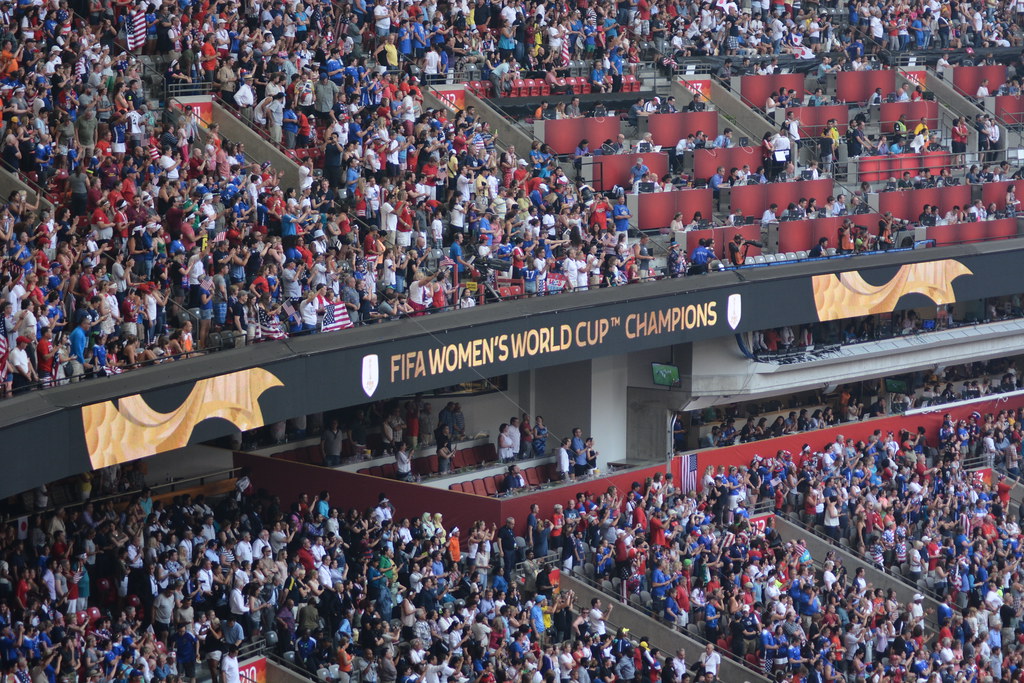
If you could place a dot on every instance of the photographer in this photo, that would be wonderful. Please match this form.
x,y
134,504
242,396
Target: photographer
x,y
738,249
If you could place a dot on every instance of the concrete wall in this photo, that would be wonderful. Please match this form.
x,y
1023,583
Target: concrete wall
x,y
945,93
741,116
562,396
608,413
659,635
279,674
256,146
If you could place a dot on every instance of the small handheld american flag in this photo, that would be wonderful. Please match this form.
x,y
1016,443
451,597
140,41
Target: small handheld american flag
x,y
335,318
447,262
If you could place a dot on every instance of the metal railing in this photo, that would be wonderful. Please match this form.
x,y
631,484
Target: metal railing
x,y
643,609
893,573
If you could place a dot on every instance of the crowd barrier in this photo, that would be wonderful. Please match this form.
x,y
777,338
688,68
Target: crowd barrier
x,y
813,120
878,169
610,170
755,90
908,204
562,135
707,161
668,129
655,210
753,200
802,235
858,86
967,79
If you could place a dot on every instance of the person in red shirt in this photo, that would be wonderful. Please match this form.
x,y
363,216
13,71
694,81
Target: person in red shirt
x,y
209,57
44,357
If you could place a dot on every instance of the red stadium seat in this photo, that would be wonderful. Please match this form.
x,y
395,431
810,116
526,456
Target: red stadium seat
x,y
488,452
531,476
459,459
545,89
536,87
489,487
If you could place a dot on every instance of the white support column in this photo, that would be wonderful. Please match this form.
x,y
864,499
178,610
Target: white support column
x,y
608,408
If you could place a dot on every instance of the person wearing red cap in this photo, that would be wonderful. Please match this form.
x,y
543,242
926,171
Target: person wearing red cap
x,y
19,365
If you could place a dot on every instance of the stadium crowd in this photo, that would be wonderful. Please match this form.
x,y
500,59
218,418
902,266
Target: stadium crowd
x,y
169,589
398,205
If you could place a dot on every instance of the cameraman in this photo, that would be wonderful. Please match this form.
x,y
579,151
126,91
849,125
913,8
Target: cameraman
x,y
738,249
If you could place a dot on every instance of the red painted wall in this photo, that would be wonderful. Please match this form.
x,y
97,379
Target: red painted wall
x,y
707,161
564,134
668,129
742,454
519,507
857,86
814,119
966,79
754,90
656,209
348,489
752,200
802,235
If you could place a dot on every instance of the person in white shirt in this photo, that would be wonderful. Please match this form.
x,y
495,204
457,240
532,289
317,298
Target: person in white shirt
x,y
710,661
982,90
229,666
770,214
245,97
563,459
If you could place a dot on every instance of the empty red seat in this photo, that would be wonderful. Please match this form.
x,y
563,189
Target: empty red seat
x,y
517,88
536,86
389,470
459,459
488,452
515,290
489,487
531,477
545,88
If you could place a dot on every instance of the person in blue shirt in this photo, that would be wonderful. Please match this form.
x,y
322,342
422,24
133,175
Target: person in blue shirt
x,y
621,215
597,79
537,616
700,257
290,126
578,450
639,170
335,69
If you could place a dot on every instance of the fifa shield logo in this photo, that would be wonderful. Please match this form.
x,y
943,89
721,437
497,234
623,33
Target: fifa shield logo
x,y
371,374
734,310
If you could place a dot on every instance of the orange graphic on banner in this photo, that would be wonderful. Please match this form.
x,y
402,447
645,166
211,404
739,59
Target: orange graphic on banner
x,y
128,429
847,295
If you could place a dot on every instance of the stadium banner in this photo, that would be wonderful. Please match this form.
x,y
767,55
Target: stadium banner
x,y
161,408
253,670
453,96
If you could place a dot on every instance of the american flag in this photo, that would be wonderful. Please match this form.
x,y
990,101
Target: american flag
x,y
135,30
336,318
269,327
447,262
688,473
